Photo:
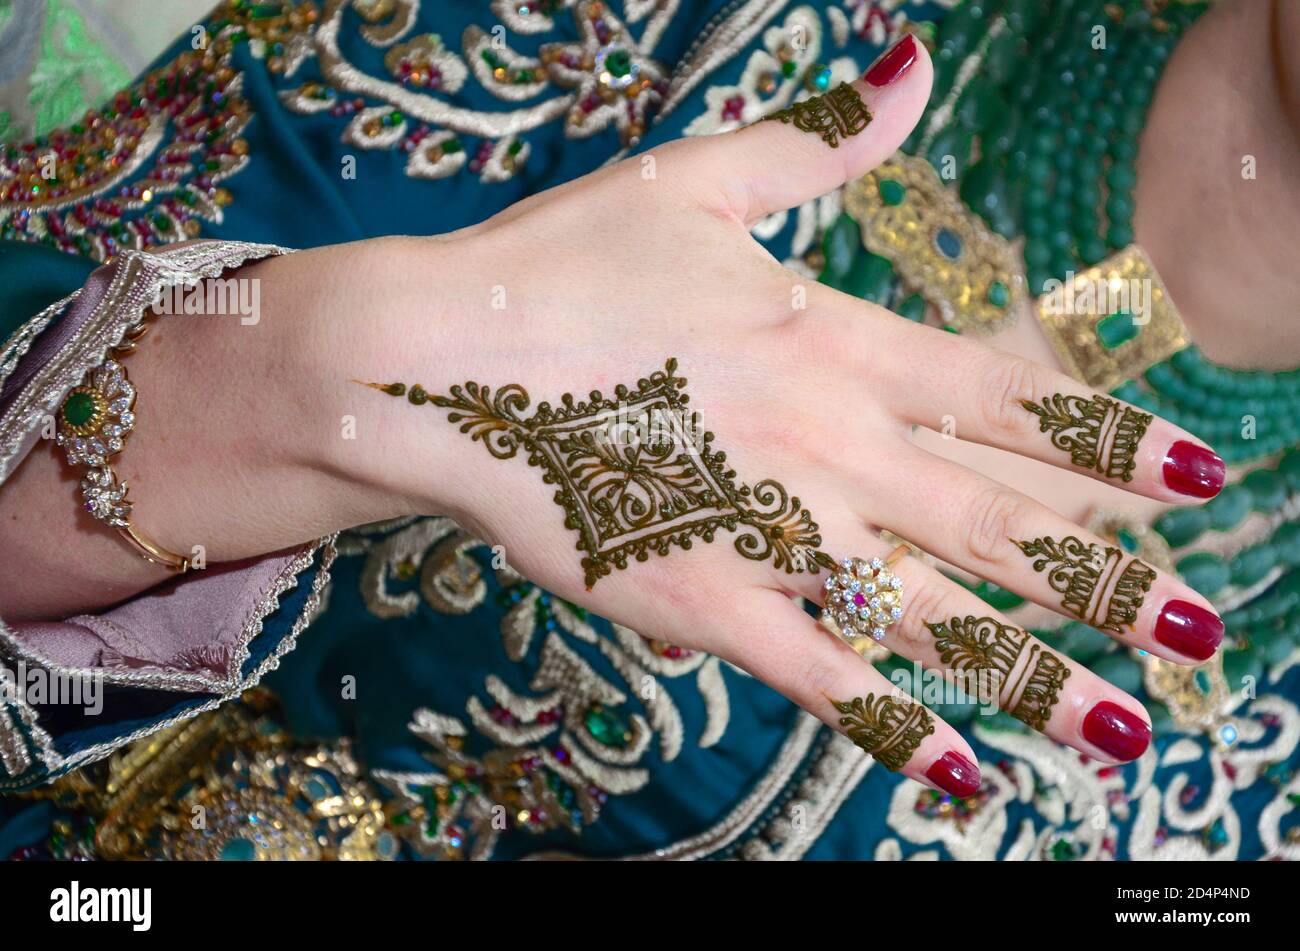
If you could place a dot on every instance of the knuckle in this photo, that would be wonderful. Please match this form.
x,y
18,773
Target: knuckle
x,y
821,677
934,601
808,334
991,523
1008,382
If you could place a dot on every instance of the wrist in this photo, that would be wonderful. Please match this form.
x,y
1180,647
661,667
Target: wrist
x,y
379,313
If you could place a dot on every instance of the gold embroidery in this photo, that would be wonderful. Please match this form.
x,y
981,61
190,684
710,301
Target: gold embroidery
x,y
263,795
186,117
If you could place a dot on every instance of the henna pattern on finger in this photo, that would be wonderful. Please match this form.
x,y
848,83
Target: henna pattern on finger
x,y
890,728
1099,433
1029,677
838,115
635,474
1093,586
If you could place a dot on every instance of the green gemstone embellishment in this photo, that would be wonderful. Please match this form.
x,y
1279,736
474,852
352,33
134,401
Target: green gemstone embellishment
x,y
998,294
79,409
892,192
1117,329
1063,851
604,727
619,63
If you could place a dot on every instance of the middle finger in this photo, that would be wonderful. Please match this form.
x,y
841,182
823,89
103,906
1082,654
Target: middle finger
x,y
995,532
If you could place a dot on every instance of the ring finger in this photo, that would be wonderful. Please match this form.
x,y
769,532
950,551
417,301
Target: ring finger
x,y
951,631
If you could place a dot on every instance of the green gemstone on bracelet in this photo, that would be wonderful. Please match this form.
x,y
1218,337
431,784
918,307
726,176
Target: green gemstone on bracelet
x,y
892,192
913,308
1202,680
79,409
1117,329
998,294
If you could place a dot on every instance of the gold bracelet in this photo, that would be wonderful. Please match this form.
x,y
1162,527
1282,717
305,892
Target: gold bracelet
x,y
94,422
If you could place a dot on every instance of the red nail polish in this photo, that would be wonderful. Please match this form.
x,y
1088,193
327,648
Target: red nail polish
x,y
955,775
896,61
1194,470
1111,728
1189,629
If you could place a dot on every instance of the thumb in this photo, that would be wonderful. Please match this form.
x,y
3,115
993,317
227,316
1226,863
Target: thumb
x,y
816,145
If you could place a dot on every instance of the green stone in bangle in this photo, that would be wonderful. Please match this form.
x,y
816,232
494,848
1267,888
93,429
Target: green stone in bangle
x,y
912,308
79,409
892,192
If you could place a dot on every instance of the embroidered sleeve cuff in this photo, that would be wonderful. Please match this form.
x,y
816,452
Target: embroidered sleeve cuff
x,y
73,691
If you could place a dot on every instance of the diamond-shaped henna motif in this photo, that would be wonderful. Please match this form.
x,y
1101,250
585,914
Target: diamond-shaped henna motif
x,y
634,473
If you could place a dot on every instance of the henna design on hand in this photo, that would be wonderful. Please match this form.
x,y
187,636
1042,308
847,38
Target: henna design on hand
x,y
1029,677
1093,586
1099,433
634,474
889,728
839,114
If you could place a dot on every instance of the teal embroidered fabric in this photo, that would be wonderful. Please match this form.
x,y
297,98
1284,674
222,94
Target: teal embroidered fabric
x,y
469,713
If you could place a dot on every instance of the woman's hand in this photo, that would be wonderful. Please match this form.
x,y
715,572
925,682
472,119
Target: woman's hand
x,y
642,276
808,393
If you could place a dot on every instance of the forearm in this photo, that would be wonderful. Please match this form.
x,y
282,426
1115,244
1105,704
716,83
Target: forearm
x,y
241,445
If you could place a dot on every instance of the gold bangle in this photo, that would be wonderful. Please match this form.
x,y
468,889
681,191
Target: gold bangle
x,y
95,420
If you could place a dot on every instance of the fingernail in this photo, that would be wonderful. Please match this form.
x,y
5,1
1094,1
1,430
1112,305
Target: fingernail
x,y
896,61
1189,629
1111,728
1194,470
955,775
